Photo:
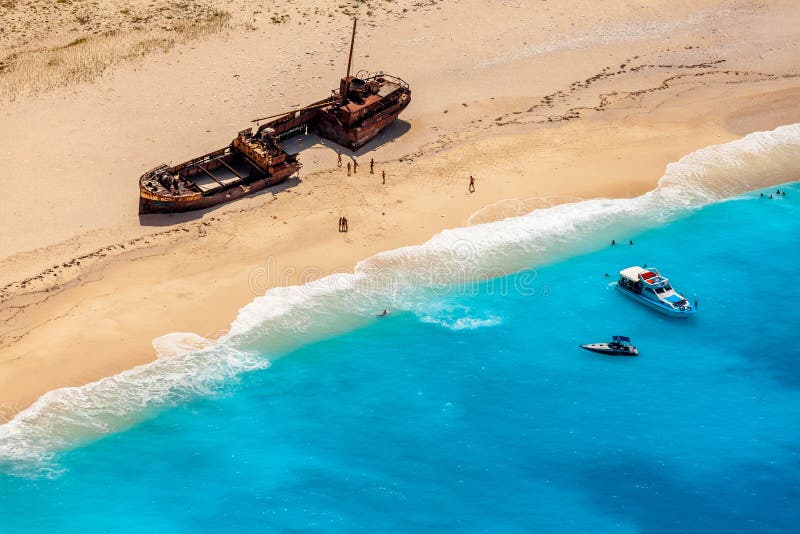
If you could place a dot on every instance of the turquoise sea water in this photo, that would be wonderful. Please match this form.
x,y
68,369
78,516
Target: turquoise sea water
x,y
471,408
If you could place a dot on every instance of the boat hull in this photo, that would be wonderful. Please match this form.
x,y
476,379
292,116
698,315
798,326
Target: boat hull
x,y
670,312
603,348
150,203
354,138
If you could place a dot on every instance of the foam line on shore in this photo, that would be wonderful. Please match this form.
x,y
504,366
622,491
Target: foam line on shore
x,y
403,279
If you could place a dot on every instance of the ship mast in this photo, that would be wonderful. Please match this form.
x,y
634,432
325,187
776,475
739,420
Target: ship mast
x,y
352,41
344,85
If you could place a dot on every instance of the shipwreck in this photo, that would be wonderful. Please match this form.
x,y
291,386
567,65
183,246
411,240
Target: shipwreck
x,y
358,110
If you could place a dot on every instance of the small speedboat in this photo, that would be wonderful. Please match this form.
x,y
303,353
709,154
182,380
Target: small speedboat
x,y
648,287
620,346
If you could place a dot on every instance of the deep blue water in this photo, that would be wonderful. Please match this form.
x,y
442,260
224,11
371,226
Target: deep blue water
x,y
497,422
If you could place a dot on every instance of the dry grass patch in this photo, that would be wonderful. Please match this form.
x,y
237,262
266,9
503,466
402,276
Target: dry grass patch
x,y
88,57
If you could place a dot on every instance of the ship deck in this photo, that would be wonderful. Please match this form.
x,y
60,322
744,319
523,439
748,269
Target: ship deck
x,y
222,176
220,173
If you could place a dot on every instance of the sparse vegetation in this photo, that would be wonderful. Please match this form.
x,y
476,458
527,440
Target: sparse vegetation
x,y
90,55
51,43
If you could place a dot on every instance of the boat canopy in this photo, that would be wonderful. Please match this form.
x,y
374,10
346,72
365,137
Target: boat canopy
x,y
632,273
624,339
651,277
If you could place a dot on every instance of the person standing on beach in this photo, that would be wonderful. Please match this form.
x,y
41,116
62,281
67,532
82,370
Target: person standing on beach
x,y
339,159
471,184
372,165
355,165
383,175
340,224
348,168
344,224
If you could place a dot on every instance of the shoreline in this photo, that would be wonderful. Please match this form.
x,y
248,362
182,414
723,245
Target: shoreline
x,y
227,299
193,362
101,285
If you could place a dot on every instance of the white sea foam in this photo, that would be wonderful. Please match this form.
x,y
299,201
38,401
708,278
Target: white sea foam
x,y
403,279
177,343
453,315
70,415
462,323
707,175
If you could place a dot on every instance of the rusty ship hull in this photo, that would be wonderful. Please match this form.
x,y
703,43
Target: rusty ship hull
x,y
251,162
155,203
365,131
352,120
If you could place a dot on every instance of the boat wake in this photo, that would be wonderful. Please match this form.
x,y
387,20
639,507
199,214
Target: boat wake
x,y
406,279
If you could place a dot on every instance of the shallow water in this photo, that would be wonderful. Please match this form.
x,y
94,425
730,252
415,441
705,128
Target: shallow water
x,y
474,409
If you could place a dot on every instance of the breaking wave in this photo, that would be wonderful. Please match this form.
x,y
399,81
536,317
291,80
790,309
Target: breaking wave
x,y
68,416
406,279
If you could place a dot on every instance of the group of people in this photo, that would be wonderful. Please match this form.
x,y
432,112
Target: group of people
x,y
614,242
352,167
778,192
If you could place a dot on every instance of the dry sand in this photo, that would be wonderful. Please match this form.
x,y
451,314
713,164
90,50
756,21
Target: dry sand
x,y
541,101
